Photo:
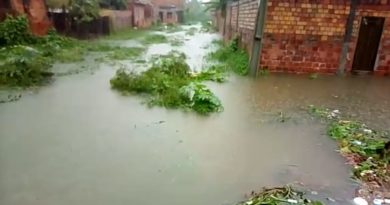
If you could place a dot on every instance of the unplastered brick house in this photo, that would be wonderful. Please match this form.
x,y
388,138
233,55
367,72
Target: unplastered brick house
x,y
168,11
35,10
315,36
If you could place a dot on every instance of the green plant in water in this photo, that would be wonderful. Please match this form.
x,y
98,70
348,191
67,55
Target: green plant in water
x,y
154,39
278,196
365,148
176,42
313,76
24,66
123,53
232,56
168,83
191,31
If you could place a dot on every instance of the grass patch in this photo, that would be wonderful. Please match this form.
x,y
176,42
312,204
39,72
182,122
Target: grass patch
x,y
191,31
174,41
168,83
366,149
279,195
23,66
154,39
127,34
233,57
124,53
216,73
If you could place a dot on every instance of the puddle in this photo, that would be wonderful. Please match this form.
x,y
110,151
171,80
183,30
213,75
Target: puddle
x,y
79,142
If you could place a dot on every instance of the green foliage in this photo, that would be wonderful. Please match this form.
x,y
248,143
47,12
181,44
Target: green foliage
x,y
127,34
278,196
191,31
23,66
313,76
195,11
364,147
14,31
114,4
200,98
84,10
232,56
154,39
176,41
123,53
168,83
216,73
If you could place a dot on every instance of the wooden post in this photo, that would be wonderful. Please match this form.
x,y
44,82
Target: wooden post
x,y
347,37
258,38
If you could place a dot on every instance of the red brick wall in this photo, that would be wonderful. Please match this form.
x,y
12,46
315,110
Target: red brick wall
x,y
240,22
304,37
177,3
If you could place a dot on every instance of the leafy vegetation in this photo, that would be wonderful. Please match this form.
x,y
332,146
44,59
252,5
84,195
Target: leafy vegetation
x,y
168,83
216,73
232,56
23,66
84,10
14,31
155,38
278,196
191,31
175,41
366,149
123,53
127,34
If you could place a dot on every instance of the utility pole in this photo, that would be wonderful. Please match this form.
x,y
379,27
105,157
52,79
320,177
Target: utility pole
x,y
347,37
258,38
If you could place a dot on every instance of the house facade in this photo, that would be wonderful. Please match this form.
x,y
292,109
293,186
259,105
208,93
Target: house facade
x,y
168,11
315,36
142,13
35,10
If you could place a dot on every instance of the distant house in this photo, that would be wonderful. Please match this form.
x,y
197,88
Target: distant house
x,y
168,11
35,10
142,11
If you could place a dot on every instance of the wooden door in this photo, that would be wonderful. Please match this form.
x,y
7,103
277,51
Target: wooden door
x,y
368,43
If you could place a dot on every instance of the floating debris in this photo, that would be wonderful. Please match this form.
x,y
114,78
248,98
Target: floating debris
x,y
279,195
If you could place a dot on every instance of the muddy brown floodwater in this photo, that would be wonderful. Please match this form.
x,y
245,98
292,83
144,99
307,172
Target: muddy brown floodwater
x,y
79,142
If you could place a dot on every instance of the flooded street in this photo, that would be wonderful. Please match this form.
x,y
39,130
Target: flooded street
x,y
79,142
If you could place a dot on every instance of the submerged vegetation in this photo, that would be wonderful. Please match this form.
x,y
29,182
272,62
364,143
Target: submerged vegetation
x,y
279,196
155,38
364,148
169,83
123,53
232,56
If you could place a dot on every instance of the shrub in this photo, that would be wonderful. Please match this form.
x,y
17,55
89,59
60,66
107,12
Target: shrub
x,y
24,66
15,31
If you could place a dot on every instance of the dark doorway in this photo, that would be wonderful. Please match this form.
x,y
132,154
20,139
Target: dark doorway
x,y
161,14
5,4
368,43
180,16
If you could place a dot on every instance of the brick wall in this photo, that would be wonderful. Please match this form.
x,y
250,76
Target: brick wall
x,y
304,37
118,19
240,22
177,3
